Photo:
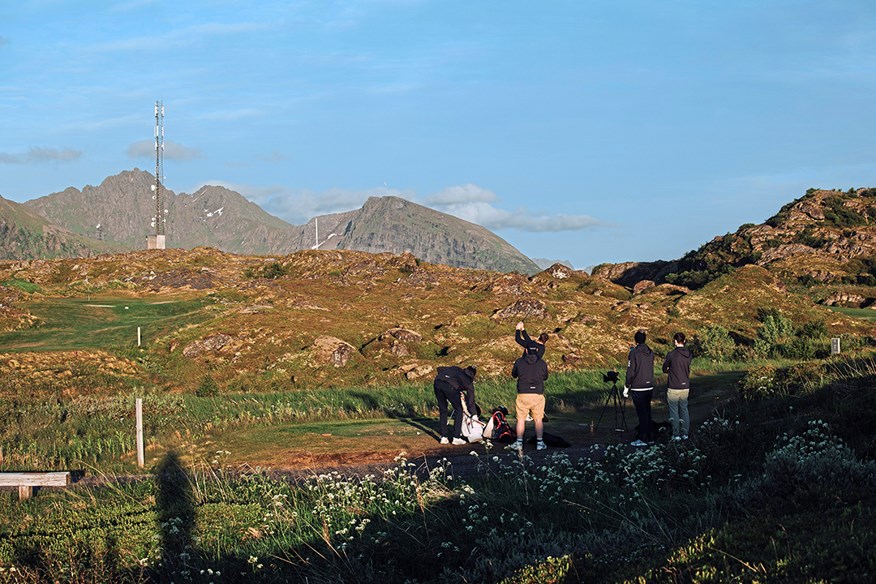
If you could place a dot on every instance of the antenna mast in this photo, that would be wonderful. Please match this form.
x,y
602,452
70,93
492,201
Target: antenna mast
x,y
157,241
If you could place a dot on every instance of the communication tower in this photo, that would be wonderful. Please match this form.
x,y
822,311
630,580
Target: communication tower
x,y
157,240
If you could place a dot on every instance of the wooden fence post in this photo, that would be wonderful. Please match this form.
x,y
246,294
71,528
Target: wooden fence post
x,y
141,456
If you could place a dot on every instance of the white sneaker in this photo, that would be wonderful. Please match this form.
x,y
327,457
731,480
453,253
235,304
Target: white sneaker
x,y
540,445
444,440
458,441
678,438
638,443
518,446
684,437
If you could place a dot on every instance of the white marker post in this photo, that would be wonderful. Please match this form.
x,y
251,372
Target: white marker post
x,y
138,336
835,346
141,456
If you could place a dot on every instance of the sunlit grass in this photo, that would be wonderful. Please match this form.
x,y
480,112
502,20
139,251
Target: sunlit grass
x,y
101,322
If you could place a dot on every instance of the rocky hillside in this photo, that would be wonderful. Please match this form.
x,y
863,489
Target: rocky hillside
x,y
217,217
213,216
352,319
825,239
26,235
395,225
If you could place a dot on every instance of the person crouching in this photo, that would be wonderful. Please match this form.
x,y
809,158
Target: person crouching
x,y
449,384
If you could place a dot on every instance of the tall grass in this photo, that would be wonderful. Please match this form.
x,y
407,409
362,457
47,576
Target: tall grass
x,y
796,504
62,433
97,430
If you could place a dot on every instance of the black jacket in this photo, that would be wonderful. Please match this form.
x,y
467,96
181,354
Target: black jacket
x,y
640,369
455,378
677,364
529,346
531,373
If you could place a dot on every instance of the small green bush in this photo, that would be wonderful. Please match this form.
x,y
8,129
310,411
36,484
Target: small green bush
x,y
714,342
207,387
760,382
816,456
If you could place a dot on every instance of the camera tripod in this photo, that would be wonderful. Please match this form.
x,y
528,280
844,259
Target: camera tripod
x,y
618,403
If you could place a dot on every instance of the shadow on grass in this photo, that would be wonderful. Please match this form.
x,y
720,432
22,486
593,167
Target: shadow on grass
x,y
409,417
176,512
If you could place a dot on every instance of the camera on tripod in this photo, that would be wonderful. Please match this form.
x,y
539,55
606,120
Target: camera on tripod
x,y
614,399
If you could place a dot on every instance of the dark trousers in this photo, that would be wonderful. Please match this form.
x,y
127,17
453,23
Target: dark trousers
x,y
444,393
642,401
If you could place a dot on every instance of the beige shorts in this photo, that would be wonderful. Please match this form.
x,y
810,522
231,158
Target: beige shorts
x,y
530,403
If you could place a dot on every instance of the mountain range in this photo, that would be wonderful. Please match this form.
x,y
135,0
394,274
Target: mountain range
x,y
119,212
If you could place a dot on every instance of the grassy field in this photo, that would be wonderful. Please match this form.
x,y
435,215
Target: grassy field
x,y
779,489
862,313
101,322
303,427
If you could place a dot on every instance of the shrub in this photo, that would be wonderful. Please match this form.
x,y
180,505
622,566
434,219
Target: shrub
x,y
207,387
760,382
806,237
836,213
271,271
769,382
714,342
775,332
816,456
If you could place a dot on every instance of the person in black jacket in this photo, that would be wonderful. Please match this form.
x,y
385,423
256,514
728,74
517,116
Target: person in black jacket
x,y
677,365
449,383
531,372
524,340
640,381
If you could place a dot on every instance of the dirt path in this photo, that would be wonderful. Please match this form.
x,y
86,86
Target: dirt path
x,y
365,455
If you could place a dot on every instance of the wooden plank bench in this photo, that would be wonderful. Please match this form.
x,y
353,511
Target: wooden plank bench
x,y
26,481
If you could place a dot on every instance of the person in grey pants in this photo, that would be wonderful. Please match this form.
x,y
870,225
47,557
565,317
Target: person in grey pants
x,y
677,365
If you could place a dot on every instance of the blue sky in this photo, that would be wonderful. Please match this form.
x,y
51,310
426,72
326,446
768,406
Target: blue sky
x,y
591,131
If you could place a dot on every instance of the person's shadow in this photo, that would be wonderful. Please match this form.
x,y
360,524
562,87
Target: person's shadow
x,y
176,514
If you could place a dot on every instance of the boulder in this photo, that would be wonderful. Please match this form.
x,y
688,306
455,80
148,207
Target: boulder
x,y
845,299
207,344
415,371
522,310
401,334
643,285
332,351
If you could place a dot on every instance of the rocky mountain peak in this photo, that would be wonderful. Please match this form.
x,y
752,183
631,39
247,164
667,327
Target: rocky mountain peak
x,y
215,216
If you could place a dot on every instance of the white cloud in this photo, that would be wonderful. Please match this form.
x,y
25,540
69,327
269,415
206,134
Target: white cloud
x,y
522,219
469,202
467,193
172,150
38,155
475,204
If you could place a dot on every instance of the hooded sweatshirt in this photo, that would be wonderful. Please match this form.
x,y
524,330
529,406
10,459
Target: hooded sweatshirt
x,y
640,369
531,372
677,364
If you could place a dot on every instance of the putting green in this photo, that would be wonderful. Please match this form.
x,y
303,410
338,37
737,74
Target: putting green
x,y
100,323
